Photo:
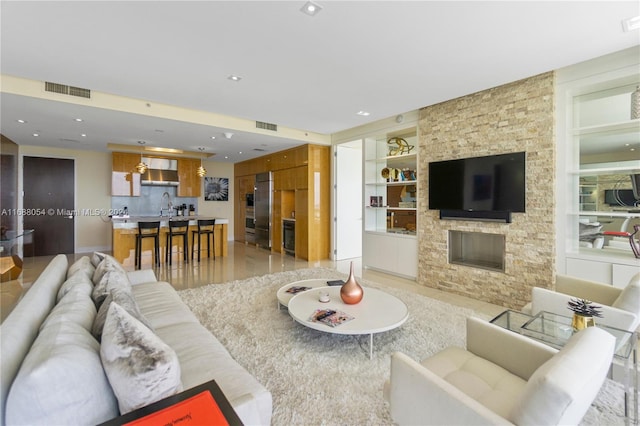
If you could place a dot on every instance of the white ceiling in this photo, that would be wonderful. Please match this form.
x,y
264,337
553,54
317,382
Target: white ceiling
x,y
300,72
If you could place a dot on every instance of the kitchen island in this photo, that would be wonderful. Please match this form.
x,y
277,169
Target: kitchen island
x,y
125,230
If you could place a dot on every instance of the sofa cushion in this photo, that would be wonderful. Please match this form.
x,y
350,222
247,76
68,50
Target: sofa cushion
x,y
61,381
76,307
629,299
561,390
489,384
141,368
83,265
76,282
161,305
123,297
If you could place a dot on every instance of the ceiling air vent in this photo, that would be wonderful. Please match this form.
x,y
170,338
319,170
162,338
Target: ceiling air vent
x,y
67,90
266,126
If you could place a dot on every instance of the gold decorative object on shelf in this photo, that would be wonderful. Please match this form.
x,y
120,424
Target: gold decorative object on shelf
x,y
401,146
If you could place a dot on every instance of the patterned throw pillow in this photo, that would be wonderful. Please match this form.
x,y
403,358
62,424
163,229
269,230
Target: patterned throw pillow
x,y
141,368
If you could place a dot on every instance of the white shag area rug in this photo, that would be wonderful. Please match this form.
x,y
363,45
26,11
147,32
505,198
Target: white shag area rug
x,y
318,378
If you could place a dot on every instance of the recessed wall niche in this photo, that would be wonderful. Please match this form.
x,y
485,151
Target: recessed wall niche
x,y
477,250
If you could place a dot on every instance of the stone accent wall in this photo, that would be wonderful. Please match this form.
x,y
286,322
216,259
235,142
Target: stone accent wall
x,y
516,117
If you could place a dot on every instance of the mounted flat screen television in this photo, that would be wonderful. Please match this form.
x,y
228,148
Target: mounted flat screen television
x,y
494,183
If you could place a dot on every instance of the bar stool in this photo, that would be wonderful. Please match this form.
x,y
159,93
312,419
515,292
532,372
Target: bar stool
x,y
177,228
148,230
205,227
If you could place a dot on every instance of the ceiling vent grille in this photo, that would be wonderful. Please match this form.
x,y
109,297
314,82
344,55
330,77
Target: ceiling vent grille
x,y
67,90
266,126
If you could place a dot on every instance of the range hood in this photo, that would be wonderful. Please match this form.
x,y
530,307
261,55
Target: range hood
x,y
160,172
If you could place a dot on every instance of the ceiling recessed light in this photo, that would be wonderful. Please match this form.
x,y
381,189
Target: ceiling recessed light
x,y
631,24
21,121
78,120
84,135
213,137
141,142
226,157
239,152
310,8
233,77
36,134
363,113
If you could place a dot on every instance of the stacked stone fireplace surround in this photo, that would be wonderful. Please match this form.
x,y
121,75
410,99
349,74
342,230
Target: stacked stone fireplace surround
x,y
519,116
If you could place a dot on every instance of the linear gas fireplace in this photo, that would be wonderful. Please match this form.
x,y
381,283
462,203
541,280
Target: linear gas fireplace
x,y
477,249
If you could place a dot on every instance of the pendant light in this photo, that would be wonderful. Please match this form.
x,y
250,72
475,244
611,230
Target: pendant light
x,y
141,167
201,171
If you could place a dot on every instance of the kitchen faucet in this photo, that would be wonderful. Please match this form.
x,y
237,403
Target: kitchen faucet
x,y
169,208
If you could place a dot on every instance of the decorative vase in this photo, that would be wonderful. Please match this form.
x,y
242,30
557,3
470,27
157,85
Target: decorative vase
x,y
635,103
351,292
580,322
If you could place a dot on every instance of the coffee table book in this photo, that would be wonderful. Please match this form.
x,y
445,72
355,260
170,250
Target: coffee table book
x,y
203,404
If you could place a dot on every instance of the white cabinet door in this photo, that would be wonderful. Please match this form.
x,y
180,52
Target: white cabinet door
x,y
622,274
390,253
589,270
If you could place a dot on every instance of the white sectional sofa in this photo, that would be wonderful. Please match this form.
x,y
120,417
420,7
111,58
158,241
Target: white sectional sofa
x,y
55,371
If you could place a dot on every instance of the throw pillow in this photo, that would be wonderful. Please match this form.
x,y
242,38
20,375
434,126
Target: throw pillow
x,y
629,299
141,368
97,258
124,298
110,280
109,263
83,264
61,381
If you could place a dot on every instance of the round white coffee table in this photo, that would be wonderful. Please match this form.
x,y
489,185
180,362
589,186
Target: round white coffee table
x,y
377,312
284,296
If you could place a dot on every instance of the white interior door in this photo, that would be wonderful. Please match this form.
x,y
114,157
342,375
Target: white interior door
x,y
348,221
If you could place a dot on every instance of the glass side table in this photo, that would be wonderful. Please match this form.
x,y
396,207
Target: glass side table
x,y
555,330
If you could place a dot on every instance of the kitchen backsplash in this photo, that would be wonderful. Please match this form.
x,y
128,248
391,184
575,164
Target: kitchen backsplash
x,y
148,203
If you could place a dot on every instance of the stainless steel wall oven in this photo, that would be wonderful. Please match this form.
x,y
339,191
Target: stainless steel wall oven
x,y
250,220
289,236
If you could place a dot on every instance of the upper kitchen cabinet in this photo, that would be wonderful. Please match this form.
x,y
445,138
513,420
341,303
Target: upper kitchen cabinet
x,y
190,183
125,181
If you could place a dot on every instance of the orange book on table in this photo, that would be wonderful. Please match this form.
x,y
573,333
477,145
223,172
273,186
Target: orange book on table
x,y
197,410
204,404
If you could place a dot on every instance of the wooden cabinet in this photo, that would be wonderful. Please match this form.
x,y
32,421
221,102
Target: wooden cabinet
x,y
190,183
125,161
301,183
125,181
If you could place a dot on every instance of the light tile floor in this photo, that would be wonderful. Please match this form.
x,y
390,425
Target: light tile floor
x,y
243,261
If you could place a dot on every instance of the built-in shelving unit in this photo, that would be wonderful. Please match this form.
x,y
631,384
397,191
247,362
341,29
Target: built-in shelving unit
x,y
390,201
603,151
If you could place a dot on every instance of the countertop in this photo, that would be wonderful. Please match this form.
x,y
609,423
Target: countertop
x,y
132,221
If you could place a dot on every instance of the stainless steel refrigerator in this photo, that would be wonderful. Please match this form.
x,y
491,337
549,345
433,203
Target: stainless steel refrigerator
x,y
262,208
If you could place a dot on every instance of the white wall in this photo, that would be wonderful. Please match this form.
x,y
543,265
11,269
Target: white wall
x,y
223,209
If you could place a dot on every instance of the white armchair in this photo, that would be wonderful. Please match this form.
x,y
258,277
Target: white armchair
x,y
620,307
500,378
